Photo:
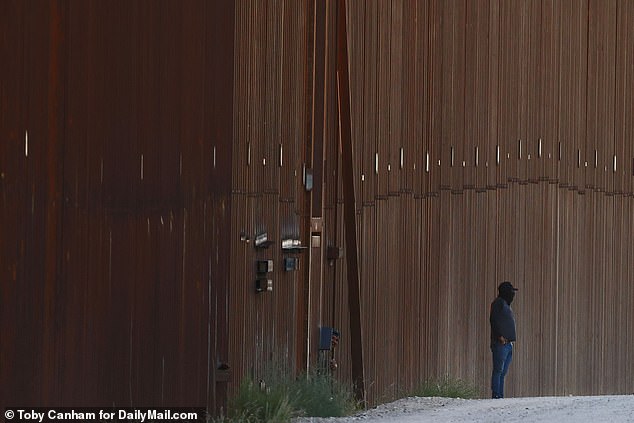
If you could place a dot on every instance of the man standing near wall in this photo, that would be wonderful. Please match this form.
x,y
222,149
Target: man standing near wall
x,y
502,336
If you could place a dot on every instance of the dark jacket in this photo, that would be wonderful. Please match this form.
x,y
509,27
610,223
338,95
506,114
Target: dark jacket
x,y
502,321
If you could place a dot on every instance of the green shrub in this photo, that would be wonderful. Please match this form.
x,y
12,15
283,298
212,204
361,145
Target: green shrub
x,y
254,404
319,395
448,388
282,397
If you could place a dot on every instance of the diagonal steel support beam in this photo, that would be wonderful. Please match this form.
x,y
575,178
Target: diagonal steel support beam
x,y
352,264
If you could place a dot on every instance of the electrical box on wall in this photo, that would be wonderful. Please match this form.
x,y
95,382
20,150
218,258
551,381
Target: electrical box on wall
x,y
328,338
263,285
325,338
291,264
264,266
262,282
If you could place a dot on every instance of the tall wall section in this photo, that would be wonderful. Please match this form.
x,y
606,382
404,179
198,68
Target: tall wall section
x,y
492,141
145,146
115,155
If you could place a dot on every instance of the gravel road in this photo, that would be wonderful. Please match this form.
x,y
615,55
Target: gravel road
x,y
595,409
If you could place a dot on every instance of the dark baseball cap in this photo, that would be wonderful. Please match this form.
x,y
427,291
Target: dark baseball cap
x,y
506,286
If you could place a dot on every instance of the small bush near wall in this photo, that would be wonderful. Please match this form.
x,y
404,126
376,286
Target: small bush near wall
x,y
281,397
448,388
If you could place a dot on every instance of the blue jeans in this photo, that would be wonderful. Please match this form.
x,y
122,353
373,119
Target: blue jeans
x,y
502,356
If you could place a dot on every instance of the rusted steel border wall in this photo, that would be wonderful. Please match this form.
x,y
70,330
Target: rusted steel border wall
x,y
273,162
145,147
485,136
442,90
115,170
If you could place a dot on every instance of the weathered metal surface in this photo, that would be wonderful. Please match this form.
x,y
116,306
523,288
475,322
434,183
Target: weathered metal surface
x,y
273,97
115,155
541,84
144,146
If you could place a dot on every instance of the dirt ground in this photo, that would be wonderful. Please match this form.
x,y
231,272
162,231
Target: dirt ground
x,y
595,409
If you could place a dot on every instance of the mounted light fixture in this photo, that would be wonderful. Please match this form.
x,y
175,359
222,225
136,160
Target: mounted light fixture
x,y
262,241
